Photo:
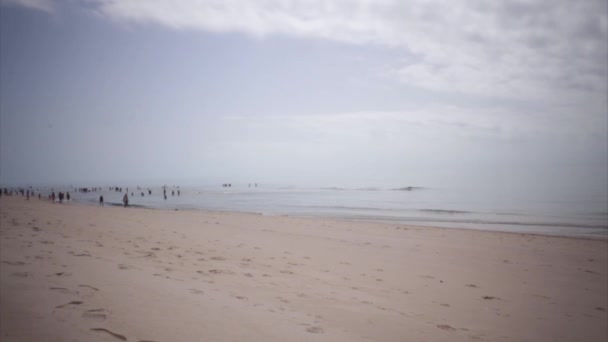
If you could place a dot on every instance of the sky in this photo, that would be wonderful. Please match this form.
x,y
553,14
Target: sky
x,y
362,93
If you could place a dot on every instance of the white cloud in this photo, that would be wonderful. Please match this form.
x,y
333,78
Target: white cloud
x,y
543,50
523,49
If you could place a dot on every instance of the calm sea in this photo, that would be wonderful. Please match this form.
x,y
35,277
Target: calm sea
x,y
553,213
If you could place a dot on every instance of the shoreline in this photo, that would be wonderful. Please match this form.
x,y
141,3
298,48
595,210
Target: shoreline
x,y
579,219
602,237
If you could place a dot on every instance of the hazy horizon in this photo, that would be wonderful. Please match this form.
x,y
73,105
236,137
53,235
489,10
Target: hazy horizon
x,y
331,93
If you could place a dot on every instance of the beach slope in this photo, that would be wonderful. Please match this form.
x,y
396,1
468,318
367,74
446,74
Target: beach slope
x,y
83,273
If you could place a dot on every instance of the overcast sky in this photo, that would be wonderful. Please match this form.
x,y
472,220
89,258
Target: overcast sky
x,y
304,92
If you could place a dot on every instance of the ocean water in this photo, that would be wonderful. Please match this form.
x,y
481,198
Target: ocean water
x,y
564,213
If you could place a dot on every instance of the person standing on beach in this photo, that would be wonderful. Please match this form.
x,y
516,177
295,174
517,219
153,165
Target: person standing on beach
x,y
101,200
125,199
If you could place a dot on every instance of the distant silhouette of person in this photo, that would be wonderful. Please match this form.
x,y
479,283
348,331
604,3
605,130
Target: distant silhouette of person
x,y
177,192
53,196
142,194
149,192
101,201
172,192
67,196
125,199
28,195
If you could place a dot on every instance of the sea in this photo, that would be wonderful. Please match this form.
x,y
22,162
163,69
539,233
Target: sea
x,y
564,213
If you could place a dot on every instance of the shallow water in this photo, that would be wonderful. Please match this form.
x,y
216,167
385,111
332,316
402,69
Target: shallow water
x,y
523,211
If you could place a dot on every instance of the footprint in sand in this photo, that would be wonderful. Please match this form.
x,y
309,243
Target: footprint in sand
x,y
196,291
283,300
63,290
74,302
220,272
97,314
14,263
315,330
446,327
125,267
118,336
89,286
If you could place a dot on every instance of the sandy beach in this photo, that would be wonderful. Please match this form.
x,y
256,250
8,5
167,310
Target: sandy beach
x,y
84,273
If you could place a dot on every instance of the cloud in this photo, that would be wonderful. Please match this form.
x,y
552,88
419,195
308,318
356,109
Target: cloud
x,y
524,49
549,52
41,5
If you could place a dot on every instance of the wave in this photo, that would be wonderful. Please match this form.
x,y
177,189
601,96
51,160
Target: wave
x,y
445,211
408,188
341,207
372,188
476,221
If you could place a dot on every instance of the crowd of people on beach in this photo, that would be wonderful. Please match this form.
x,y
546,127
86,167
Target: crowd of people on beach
x,y
27,193
60,196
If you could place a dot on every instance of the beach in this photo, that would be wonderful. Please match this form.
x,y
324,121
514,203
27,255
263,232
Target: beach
x,y
86,273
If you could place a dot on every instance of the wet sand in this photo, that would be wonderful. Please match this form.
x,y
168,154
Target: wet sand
x,y
84,273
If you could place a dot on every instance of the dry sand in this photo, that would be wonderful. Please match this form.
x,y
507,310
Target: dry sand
x,y
79,273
